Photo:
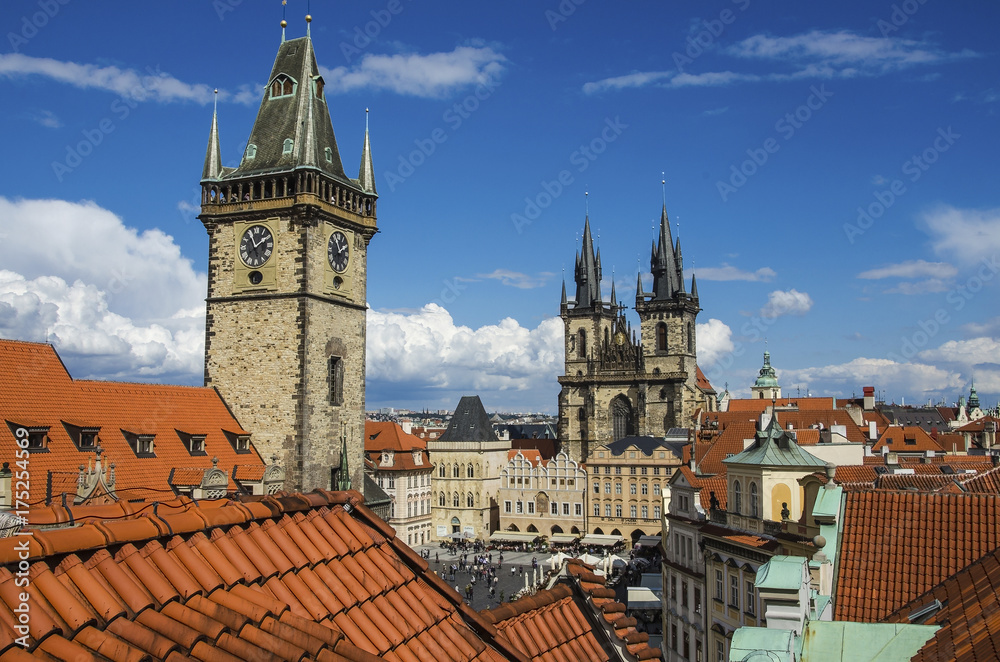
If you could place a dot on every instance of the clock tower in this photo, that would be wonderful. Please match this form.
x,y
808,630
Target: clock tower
x,y
288,240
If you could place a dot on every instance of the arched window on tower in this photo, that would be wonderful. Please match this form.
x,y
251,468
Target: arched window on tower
x,y
470,501
621,418
454,499
581,344
661,337
336,380
754,506
454,473
737,498
286,147
690,335
469,471
441,499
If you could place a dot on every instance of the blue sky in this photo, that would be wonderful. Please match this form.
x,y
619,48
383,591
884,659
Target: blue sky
x,y
832,170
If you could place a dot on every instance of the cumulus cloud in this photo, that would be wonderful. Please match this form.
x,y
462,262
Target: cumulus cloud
x,y
431,75
428,350
911,269
715,340
46,118
968,353
151,85
117,303
816,55
790,302
727,272
968,235
929,286
896,379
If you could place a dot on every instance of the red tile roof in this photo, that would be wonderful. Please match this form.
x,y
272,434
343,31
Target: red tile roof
x,y
705,486
952,443
35,387
978,425
897,545
907,439
555,624
534,457
291,577
969,616
760,404
389,436
728,443
921,482
702,380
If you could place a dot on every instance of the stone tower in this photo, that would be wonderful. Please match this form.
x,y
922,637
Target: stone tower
x,y
288,239
616,384
766,387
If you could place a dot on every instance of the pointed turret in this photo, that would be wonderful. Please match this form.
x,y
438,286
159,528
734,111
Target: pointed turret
x,y
640,295
366,174
614,297
663,264
563,303
213,155
293,128
588,272
679,262
694,286
973,397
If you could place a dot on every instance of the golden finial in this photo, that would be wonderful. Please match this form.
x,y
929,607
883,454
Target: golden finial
x,y
309,18
284,23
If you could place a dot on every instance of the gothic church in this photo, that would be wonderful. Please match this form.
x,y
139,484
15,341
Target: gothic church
x,y
617,384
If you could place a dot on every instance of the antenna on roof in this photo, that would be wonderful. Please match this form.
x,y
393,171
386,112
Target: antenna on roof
x,y
309,18
663,183
586,202
284,23
366,120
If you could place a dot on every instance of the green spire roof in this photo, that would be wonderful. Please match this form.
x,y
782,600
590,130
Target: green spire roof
x,y
767,376
774,447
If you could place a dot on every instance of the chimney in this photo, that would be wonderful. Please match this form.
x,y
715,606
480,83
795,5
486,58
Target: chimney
x,y
869,393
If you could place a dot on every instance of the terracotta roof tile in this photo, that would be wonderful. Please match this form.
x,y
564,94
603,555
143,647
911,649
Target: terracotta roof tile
x,y
897,545
907,439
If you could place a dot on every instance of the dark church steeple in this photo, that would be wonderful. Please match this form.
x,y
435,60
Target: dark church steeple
x,y
213,155
588,273
366,173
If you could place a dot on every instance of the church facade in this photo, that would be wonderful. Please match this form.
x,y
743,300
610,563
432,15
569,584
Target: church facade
x,y
288,239
617,383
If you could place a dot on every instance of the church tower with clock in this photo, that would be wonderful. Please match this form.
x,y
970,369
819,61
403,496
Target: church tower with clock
x,y
288,240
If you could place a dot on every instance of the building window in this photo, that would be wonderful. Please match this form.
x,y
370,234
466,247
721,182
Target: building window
x,y
631,470
441,500
632,512
470,501
607,470
565,508
392,482
718,586
656,512
282,86
251,151
454,500
554,508
441,471
750,598
519,506
673,636
661,337
618,488
454,471
581,344
754,510
734,590
329,155
644,489
286,147
607,509
319,90
656,471
737,498
618,510
684,594
506,506
597,510
578,509
531,507
621,417
720,651
597,488
687,644
618,471
697,600
469,471
335,376
673,588
631,488
656,489
645,512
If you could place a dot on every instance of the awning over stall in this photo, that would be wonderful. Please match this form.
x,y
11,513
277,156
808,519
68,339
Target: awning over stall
x,y
512,536
601,540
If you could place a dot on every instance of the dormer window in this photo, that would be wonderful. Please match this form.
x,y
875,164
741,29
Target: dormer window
x,y
141,443
83,436
282,86
329,155
239,440
194,443
251,151
319,85
386,460
31,437
418,458
286,147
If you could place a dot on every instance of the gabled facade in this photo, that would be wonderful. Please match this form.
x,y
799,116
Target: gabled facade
x,y
544,497
400,465
468,459
618,384
288,235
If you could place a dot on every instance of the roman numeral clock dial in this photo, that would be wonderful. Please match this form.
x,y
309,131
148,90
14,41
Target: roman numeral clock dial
x,y
256,246
338,252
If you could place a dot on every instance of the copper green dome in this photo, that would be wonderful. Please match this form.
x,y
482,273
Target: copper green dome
x,y
767,378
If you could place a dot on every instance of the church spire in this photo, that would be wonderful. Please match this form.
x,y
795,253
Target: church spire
x,y
588,272
694,286
366,174
213,155
663,264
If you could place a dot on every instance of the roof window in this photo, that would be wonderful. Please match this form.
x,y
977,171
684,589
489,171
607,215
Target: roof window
x,y
84,436
286,147
141,443
251,152
282,86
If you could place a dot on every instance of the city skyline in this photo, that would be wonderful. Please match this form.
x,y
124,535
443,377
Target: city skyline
x,y
828,172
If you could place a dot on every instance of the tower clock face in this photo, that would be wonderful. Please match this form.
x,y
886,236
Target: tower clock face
x,y
256,245
338,252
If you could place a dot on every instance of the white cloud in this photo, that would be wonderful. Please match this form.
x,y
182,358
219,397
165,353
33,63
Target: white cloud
x,y
989,327
967,353
911,269
427,349
517,279
727,272
929,286
815,55
46,118
896,379
790,302
117,303
431,75
967,235
152,85
715,340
